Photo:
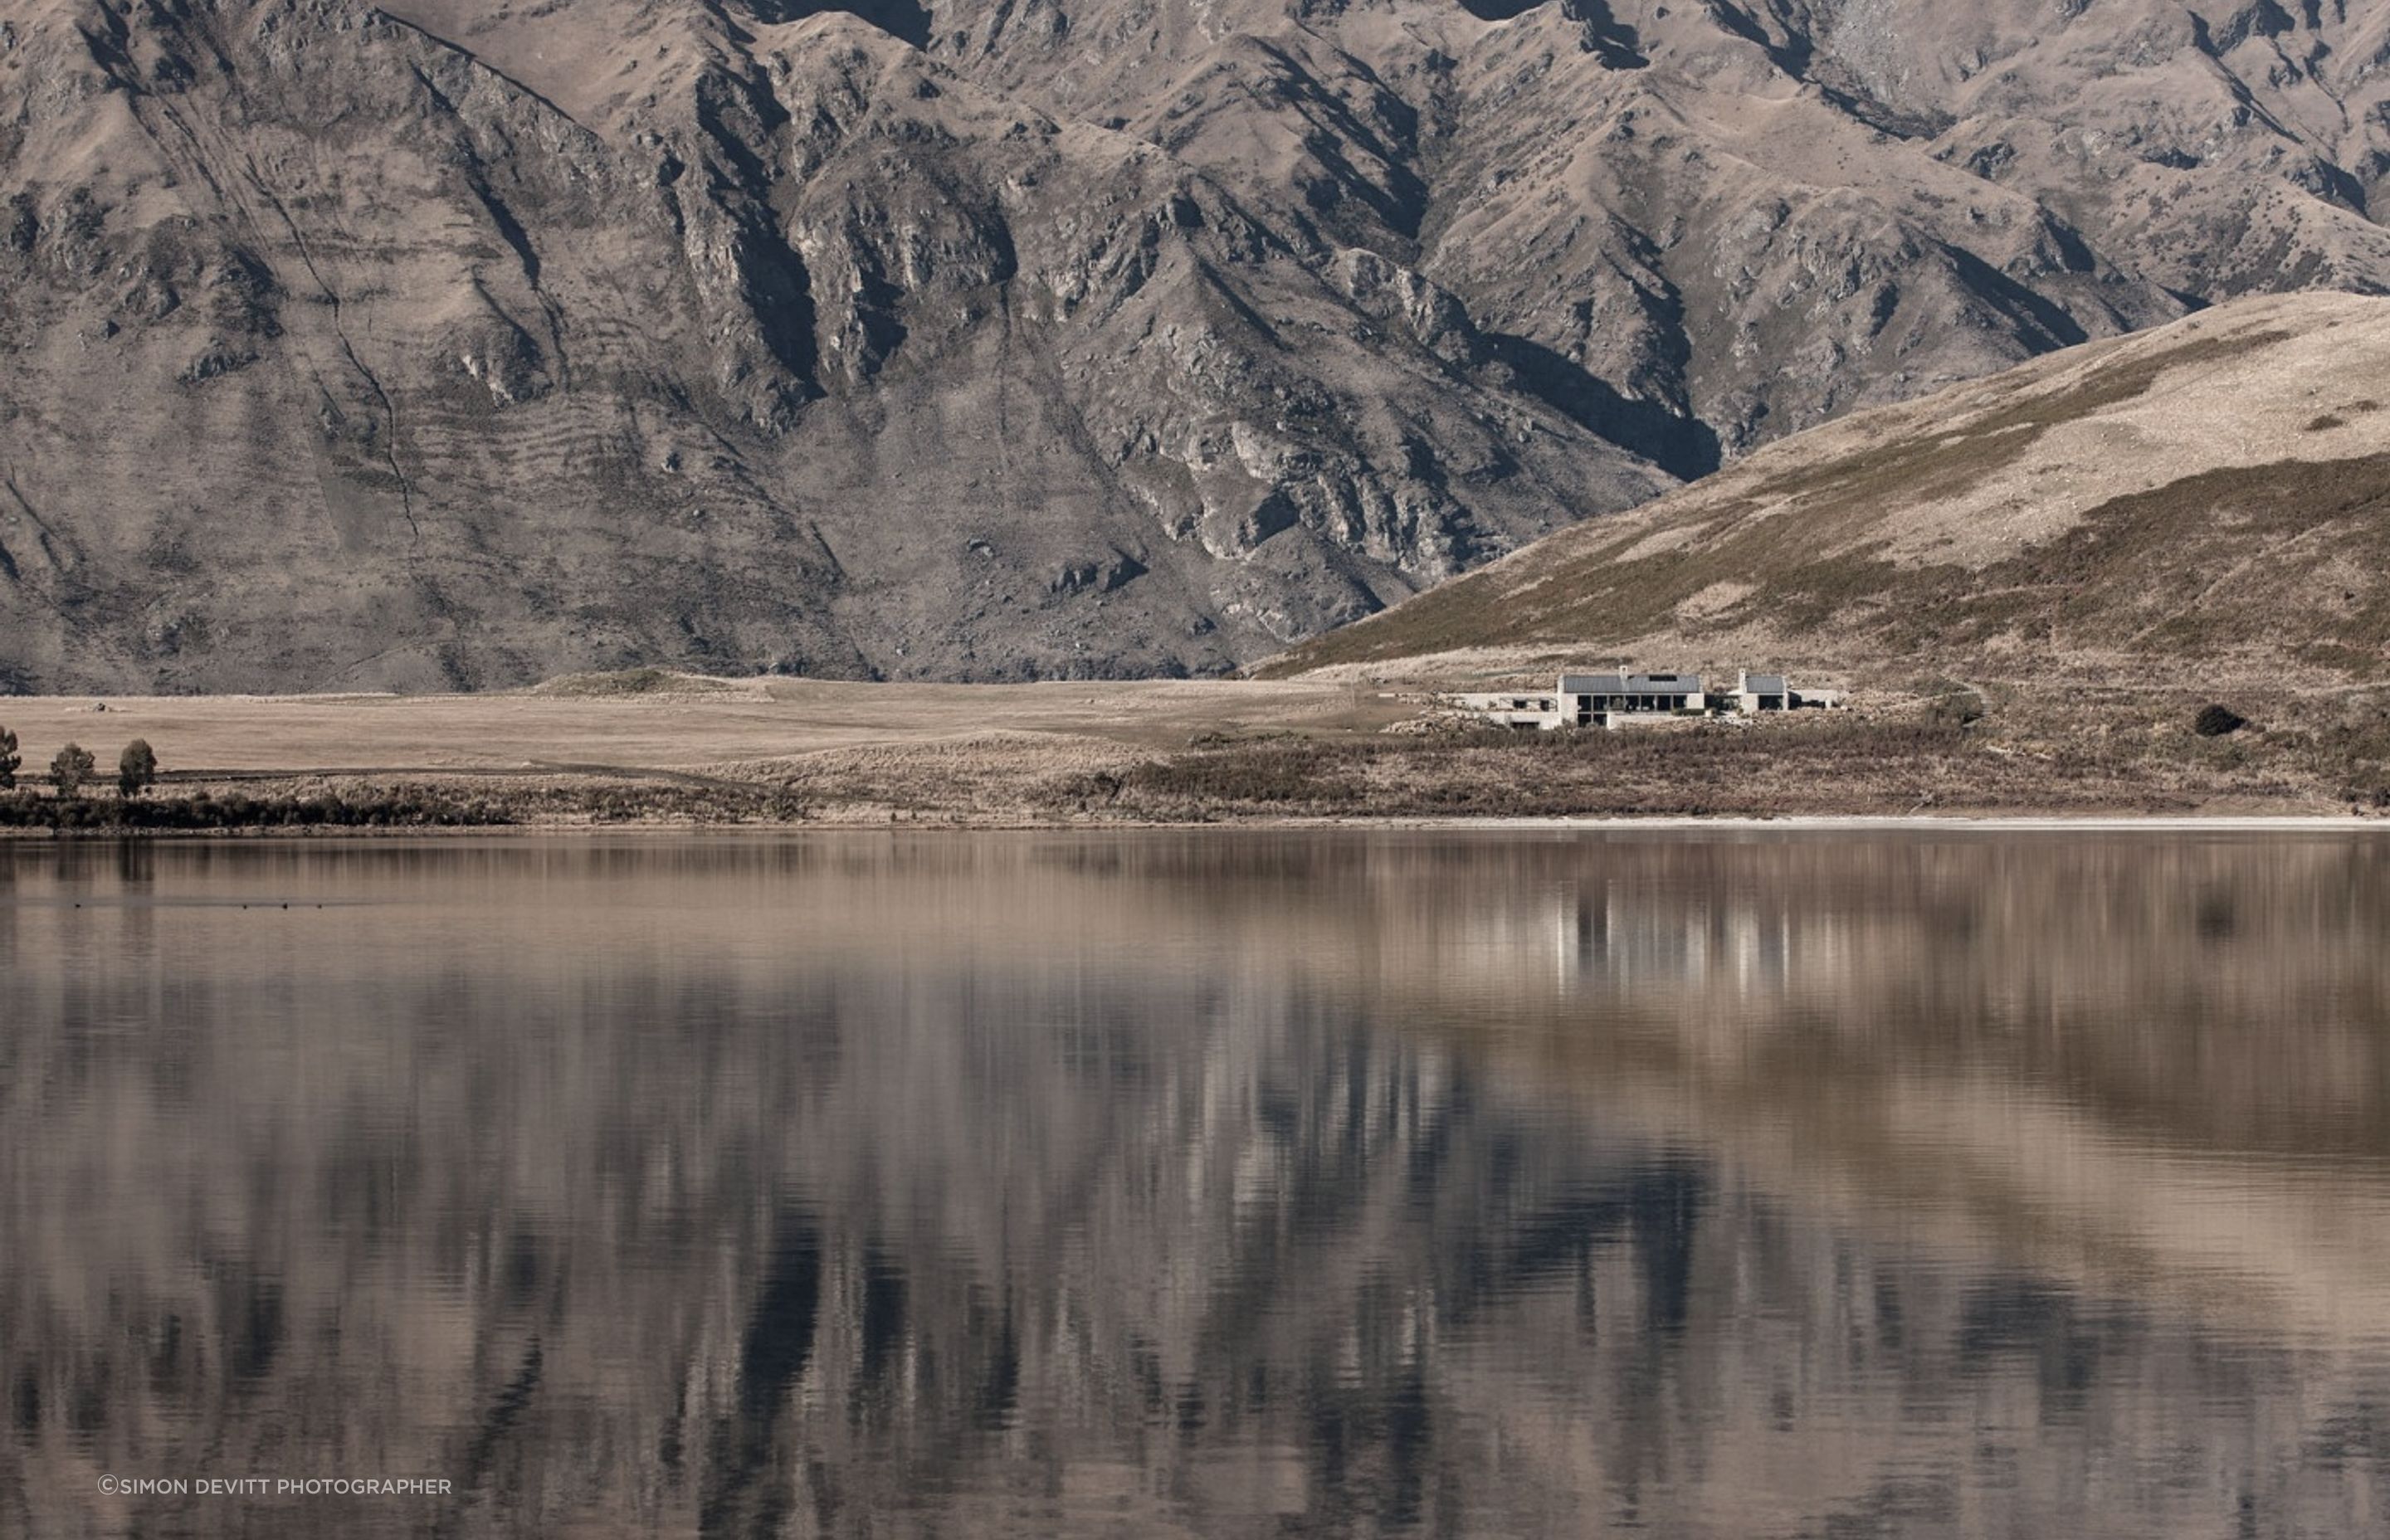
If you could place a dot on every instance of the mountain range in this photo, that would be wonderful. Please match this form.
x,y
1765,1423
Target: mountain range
x,y
443,344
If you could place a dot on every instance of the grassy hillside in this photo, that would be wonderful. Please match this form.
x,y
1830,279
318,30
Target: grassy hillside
x,y
2207,504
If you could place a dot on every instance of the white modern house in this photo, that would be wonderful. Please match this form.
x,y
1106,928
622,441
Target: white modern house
x,y
1613,699
1585,696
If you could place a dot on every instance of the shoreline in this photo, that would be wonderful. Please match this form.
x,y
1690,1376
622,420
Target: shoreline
x,y
1987,824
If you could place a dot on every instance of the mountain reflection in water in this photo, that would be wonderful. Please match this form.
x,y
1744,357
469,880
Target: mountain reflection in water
x,y
1225,1185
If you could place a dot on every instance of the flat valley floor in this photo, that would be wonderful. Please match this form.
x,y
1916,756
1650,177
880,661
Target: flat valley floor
x,y
648,747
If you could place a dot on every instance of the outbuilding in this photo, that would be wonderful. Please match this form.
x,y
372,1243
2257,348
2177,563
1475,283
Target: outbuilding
x,y
1762,692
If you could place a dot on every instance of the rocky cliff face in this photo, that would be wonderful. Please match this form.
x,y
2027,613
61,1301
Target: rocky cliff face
x,y
444,343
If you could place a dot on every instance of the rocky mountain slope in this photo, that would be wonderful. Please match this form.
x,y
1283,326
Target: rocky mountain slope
x,y
2205,504
444,343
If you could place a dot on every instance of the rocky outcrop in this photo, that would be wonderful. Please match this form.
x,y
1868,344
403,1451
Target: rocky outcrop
x,y
447,344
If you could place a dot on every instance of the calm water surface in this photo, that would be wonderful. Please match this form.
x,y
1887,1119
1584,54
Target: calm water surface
x,y
1223,1185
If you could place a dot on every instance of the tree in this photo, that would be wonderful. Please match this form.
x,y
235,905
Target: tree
x,y
72,768
136,769
9,759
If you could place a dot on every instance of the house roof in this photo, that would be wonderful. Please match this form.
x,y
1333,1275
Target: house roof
x,y
1633,683
1762,684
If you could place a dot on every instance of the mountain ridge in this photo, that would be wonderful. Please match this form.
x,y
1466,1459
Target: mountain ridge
x,y
434,345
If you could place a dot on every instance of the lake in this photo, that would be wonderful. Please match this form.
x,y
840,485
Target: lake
x,y
1236,1184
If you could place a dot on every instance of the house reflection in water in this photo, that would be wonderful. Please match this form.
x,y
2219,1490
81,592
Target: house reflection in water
x,y
1622,940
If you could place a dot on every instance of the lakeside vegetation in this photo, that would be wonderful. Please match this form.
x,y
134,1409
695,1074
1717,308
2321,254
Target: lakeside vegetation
x,y
203,812
1953,755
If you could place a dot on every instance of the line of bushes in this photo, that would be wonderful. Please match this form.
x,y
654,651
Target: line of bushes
x,y
379,810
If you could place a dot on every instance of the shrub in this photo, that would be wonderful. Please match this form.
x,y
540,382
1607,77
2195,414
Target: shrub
x,y
9,759
1960,707
2218,721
